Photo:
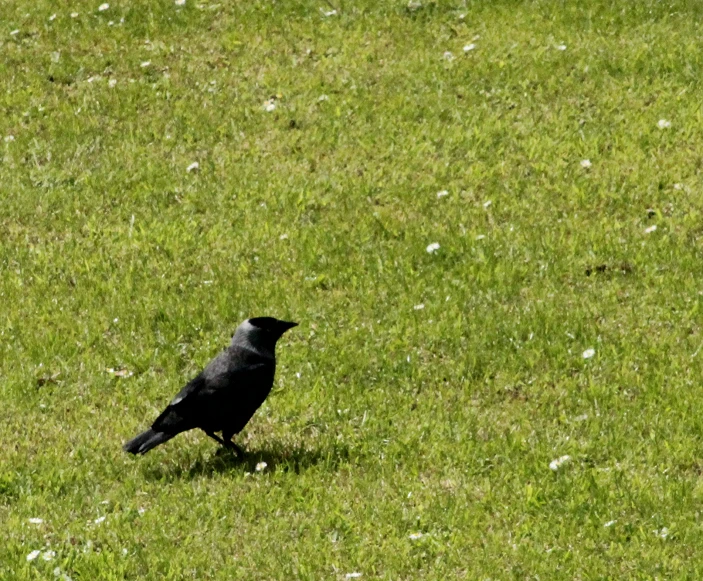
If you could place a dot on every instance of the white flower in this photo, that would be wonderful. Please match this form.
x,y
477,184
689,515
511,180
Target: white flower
x,y
328,12
100,519
561,47
145,64
585,163
36,521
111,83
283,237
415,536
261,466
103,7
678,186
323,98
432,248
414,5
55,56
52,17
442,193
33,555
48,555
59,573
15,32
663,533
487,203
120,372
554,465
610,523
193,167
663,124
588,353
581,418
9,138
419,307
650,229
448,56
74,14
354,575
480,237
469,47
180,2
269,105
141,510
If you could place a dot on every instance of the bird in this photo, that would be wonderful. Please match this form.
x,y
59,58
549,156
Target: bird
x,y
224,396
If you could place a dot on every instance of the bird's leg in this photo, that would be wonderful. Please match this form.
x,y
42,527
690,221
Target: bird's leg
x,y
217,439
238,450
227,444
227,437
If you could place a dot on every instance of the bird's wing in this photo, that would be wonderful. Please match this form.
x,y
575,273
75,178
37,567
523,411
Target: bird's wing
x,y
186,406
190,388
175,418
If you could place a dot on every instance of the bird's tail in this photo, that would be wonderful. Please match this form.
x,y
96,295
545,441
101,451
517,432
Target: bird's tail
x,y
145,441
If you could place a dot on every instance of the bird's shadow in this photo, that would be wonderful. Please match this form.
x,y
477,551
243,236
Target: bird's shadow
x,y
275,457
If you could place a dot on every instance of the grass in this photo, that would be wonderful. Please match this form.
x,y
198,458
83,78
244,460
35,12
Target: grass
x,y
387,419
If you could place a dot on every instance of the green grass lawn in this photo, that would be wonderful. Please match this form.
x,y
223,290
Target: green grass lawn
x,y
419,405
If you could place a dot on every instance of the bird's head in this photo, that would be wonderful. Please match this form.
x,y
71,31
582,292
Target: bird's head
x,y
261,333
270,326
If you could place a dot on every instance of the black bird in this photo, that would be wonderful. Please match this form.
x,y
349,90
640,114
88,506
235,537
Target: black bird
x,y
225,395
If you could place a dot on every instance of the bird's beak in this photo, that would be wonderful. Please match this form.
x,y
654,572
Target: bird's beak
x,y
288,325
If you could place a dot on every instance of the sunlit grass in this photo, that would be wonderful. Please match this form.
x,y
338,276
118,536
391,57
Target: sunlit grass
x,y
494,253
